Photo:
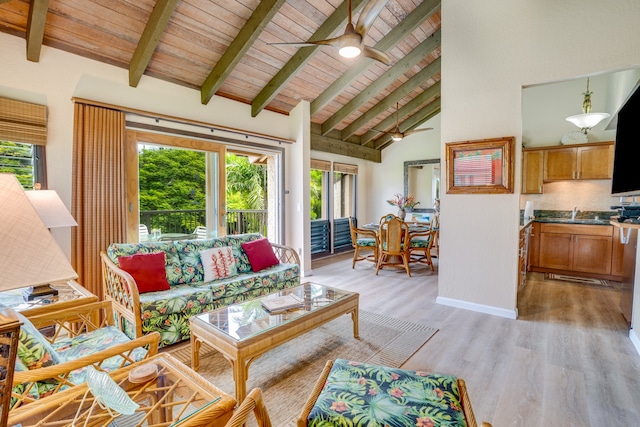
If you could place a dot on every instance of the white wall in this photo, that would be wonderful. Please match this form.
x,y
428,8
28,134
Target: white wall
x,y
490,51
60,76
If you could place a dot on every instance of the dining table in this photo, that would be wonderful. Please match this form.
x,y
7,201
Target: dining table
x,y
415,229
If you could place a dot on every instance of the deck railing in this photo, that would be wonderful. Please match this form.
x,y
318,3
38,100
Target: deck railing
x,y
185,221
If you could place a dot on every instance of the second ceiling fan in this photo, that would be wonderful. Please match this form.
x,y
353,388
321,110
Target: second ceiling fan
x,y
395,134
351,43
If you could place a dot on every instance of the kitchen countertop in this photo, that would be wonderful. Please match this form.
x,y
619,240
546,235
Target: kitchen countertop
x,y
564,217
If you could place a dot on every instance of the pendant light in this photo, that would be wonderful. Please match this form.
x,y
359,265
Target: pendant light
x,y
587,119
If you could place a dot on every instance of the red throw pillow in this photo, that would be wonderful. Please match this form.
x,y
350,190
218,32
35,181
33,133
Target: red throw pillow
x,y
148,270
260,254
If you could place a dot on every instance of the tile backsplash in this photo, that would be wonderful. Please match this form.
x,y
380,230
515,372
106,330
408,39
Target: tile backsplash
x,y
588,195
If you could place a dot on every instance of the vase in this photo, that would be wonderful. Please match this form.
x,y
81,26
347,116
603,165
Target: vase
x,y
402,213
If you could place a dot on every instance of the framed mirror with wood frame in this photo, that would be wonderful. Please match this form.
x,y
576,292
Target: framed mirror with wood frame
x,y
480,167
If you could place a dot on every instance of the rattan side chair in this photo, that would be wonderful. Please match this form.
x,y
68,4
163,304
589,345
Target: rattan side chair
x,y
363,239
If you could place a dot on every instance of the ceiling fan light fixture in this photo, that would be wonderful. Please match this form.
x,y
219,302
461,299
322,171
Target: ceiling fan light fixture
x,y
349,51
396,137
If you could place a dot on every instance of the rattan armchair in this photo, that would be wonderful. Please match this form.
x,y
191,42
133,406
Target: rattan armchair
x,y
83,322
363,239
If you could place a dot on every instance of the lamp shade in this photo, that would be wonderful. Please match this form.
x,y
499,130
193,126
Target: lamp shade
x,y
29,255
50,208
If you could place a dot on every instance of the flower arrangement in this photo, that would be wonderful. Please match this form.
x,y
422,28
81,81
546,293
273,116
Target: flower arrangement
x,y
402,202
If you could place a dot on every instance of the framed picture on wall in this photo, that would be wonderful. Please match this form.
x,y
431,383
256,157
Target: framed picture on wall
x,y
483,166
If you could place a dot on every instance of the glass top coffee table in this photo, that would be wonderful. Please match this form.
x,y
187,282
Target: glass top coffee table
x,y
243,332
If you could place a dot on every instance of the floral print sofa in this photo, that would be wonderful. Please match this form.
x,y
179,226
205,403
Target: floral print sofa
x,y
168,311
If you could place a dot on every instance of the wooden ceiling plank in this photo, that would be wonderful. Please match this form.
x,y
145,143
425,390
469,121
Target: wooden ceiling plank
x,y
421,13
412,122
301,57
405,110
395,96
35,28
238,47
156,25
401,67
337,146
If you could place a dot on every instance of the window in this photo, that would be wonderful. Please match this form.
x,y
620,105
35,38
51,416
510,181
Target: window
x,y
23,135
333,201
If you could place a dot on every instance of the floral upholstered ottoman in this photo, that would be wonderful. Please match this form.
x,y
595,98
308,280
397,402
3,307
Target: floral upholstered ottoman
x,y
358,394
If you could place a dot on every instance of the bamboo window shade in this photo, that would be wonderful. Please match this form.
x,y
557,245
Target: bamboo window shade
x,y
321,165
325,166
345,168
23,122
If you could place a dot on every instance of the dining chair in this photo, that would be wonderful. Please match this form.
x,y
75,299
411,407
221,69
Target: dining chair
x,y
143,233
200,232
421,242
393,239
363,239
435,226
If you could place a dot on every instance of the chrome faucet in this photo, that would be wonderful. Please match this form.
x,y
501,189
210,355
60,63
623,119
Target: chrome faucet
x,y
574,212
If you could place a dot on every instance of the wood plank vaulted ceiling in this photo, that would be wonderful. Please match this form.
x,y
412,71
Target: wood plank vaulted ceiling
x,y
222,47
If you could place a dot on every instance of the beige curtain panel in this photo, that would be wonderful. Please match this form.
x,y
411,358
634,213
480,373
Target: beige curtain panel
x,y
99,190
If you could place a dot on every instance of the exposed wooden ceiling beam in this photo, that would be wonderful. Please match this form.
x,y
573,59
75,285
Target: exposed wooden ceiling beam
x,y
404,111
390,100
4,1
302,56
399,32
337,146
156,25
248,34
411,123
35,28
402,66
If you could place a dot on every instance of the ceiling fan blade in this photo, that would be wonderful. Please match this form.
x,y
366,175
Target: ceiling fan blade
x,y
376,54
329,42
368,15
410,132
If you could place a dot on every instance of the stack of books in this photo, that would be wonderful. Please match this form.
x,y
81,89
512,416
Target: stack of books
x,y
283,303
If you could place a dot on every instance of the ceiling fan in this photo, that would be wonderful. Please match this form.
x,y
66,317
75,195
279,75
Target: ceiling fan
x,y
351,43
396,135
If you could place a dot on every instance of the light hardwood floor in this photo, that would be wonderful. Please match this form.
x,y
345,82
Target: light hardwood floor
x,y
566,361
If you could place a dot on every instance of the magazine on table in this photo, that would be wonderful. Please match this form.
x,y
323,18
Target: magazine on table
x,y
282,303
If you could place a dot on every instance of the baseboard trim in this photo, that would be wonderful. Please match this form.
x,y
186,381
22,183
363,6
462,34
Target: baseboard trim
x,y
634,339
495,311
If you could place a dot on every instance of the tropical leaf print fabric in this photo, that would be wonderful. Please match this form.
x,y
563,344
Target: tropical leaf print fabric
x,y
358,395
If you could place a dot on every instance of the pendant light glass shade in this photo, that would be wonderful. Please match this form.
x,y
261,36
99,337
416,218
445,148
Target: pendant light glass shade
x,y
587,119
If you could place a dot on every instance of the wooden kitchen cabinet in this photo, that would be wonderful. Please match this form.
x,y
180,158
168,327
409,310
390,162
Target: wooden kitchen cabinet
x,y
532,168
575,249
589,161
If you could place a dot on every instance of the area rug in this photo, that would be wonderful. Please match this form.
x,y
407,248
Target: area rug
x,y
581,280
287,373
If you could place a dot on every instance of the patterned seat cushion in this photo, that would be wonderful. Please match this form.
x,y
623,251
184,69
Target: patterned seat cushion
x,y
73,348
358,394
366,242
